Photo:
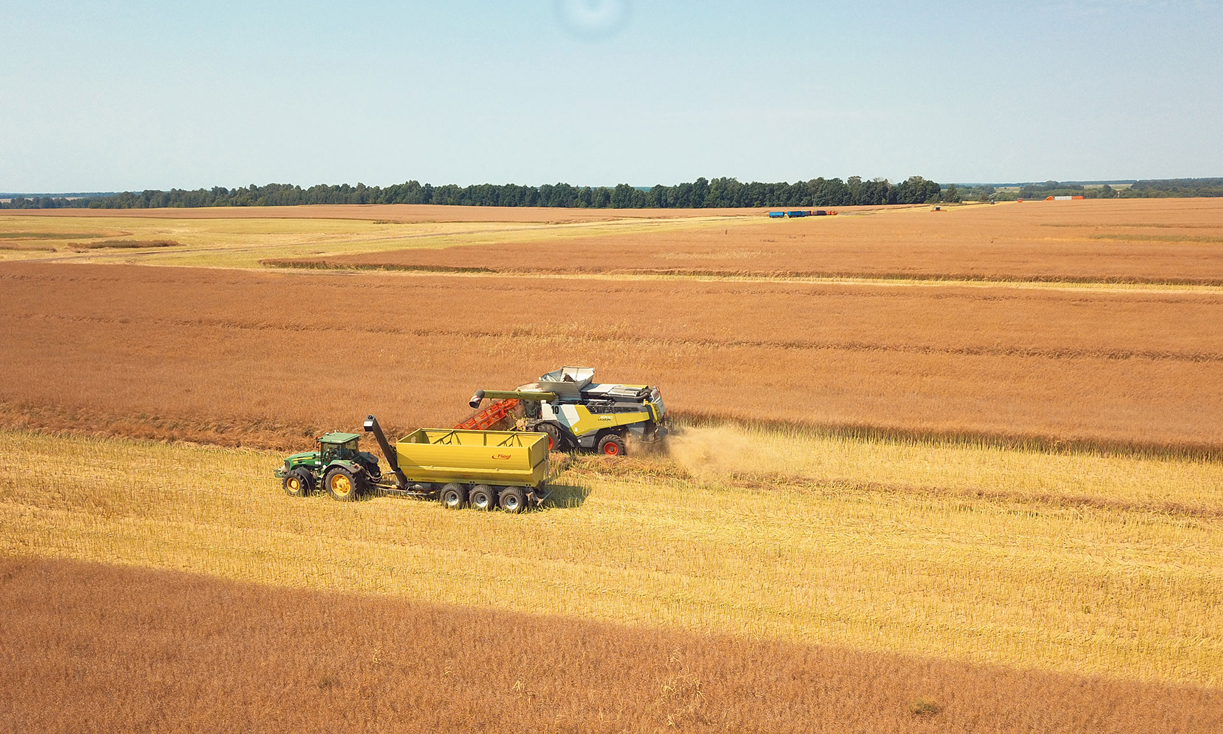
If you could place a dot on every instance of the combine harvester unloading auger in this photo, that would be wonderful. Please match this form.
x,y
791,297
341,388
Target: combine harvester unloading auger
x,y
575,412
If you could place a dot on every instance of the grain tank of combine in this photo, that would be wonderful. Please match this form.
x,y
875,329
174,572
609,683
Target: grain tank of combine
x,y
576,412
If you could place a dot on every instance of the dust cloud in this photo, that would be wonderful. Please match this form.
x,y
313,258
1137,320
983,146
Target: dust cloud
x,y
712,453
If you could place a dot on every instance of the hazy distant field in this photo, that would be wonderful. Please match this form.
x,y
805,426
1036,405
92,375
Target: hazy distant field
x,y
988,439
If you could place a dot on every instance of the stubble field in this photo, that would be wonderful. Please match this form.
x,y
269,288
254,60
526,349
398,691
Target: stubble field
x,y
1015,486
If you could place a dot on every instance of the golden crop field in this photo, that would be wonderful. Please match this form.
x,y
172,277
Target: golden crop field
x,y
374,663
1176,241
223,355
1046,580
242,238
934,469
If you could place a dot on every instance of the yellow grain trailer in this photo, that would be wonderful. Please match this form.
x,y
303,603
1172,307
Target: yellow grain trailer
x,y
480,469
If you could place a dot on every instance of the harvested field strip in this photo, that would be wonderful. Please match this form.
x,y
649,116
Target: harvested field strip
x,y
139,661
1117,593
243,242
56,235
193,347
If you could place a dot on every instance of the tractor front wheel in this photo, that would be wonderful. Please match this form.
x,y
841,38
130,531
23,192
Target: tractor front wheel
x,y
612,445
299,483
342,485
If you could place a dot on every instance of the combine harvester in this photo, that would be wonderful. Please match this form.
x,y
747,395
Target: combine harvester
x,y
575,412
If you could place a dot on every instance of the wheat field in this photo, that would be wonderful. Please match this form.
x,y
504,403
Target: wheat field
x,y
1170,241
305,661
932,472
1022,581
224,356
242,238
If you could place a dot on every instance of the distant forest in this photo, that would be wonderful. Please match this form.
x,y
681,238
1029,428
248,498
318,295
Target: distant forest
x,y
702,193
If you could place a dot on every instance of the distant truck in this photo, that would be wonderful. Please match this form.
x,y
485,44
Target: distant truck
x,y
799,213
480,469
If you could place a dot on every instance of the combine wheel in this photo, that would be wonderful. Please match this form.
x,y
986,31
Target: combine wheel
x,y
555,443
342,485
453,496
482,497
513,499
612,445
299,483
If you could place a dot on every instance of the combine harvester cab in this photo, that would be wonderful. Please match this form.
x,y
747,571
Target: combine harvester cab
x,y
577,413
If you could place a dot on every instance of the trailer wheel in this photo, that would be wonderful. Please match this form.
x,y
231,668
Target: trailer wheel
x,y
453,496
482,497
612,445
513,500
299,483
342,485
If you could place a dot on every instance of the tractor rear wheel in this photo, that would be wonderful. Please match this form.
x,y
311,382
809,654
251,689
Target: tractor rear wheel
x,y
612,445
299,483
453,496
342,485
482,497
513,499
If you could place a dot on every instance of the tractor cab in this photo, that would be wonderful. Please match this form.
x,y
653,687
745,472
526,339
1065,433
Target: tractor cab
x,y
338,446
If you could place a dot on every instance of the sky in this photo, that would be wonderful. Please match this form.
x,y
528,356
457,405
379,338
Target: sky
x,y
107,96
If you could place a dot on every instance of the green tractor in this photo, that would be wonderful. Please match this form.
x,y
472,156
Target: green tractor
x,y
342,469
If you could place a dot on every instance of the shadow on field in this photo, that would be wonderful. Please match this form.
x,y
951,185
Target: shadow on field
x,y
566,496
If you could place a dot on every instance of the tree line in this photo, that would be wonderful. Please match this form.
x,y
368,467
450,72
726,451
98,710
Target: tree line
x,y
701,193
1141,189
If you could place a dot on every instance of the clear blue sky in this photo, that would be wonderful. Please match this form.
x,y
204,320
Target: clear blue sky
x,y
133,95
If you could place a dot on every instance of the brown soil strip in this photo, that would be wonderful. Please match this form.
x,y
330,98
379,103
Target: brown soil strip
x,y
97,648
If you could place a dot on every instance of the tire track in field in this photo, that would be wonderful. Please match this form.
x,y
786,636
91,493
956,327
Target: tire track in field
x,y
1062,353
